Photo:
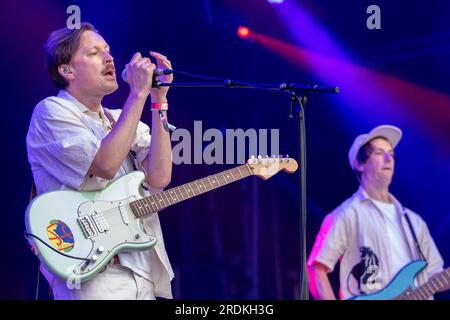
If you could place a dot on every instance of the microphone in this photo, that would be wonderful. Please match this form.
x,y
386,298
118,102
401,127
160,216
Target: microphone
x,y
156,72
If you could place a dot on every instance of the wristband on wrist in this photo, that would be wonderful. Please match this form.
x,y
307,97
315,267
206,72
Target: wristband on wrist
x,y
156,106
165,123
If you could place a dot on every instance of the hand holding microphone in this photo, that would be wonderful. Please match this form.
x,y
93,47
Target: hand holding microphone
x,y
157,72
141,75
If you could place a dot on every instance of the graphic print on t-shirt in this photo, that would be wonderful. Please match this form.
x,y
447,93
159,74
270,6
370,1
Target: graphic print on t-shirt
x,y
366,271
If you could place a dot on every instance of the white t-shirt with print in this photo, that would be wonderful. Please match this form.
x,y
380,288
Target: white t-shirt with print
x,y
355,234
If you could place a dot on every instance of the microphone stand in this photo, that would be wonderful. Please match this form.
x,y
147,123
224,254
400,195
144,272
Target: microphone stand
x,y
299,95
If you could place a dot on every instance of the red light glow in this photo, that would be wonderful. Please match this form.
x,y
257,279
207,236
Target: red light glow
x,y
243,32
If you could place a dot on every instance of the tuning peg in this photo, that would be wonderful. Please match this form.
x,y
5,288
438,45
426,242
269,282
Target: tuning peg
x,y
274,156
252,157
286,156
259,156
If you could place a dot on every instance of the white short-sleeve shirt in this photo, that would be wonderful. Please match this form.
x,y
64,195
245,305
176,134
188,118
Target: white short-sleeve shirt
x,y
62,141
360,236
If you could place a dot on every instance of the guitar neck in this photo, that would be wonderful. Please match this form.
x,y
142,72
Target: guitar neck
x,y
435,284
162,200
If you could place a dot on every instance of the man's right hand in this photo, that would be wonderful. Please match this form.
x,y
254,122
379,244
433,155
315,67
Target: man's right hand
x,y
140,74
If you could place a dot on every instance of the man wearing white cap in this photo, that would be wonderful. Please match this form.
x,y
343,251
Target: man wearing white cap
x,y
371,233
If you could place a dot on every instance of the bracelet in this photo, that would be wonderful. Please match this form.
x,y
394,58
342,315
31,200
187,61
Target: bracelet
x,y
165,123
156,106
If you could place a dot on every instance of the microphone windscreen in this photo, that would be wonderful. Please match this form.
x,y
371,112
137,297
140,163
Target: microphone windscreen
x,y
124,75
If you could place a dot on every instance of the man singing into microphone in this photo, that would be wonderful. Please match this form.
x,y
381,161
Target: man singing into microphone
x,y
73,142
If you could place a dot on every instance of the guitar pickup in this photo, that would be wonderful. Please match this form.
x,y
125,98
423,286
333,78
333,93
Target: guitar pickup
x,y
87,226
100,222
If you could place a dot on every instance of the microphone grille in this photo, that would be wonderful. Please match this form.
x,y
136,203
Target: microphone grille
x,y
124,75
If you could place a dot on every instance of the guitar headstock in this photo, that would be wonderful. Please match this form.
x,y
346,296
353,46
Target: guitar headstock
x,y
267,167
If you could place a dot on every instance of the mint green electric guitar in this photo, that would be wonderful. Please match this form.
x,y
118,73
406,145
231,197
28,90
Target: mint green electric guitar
x,y
76,233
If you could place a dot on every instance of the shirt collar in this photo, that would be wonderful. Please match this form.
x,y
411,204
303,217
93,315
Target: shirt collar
x,y
83,109
362,194
67,96
364,197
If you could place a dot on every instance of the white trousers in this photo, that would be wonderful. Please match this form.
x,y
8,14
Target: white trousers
x,y
114,283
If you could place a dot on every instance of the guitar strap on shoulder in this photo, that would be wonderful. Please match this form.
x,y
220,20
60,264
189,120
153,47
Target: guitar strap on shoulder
x,y
33,192
131,153
414,235
110,118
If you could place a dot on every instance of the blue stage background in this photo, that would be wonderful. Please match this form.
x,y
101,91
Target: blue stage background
x,y
242,241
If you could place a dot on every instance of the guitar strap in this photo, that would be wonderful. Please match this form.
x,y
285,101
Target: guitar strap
x,y
131,154
414,235
33,192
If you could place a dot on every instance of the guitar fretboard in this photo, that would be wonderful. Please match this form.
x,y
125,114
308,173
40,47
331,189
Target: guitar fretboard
x,y
162,200
435,284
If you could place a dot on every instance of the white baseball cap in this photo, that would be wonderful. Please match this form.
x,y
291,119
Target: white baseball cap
x,y
391,133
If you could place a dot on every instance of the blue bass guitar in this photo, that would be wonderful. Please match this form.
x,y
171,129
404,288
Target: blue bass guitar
x,y
402,286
